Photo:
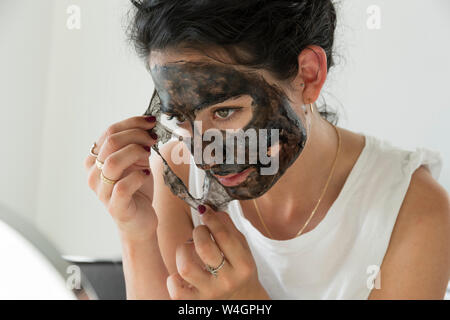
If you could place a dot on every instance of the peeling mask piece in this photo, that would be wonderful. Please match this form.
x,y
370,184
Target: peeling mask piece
x,y
214,194
185,87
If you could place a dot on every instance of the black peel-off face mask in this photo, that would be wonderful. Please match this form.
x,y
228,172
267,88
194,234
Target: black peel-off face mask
x,y
187,88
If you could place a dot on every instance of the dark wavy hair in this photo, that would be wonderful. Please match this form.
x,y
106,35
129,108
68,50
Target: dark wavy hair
x,y
271,33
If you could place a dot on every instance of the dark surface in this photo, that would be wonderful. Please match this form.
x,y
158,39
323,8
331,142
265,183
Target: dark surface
x,y
106,278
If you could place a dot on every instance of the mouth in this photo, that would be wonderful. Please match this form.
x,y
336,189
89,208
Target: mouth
x,y
234,179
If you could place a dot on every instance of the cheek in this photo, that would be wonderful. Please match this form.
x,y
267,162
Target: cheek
x,y
240,119
206,123
183,129
274,150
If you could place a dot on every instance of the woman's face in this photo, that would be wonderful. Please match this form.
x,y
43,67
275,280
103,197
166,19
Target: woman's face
x,y
209,98
234,113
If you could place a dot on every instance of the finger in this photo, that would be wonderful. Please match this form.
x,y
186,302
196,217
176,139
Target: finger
x,y
123,192
93,178
206,248
180,289
229,224
141,122
116,142
227,240
121,139
115,165
190,267
89,162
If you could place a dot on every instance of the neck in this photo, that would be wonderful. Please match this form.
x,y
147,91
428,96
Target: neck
x,y
299,189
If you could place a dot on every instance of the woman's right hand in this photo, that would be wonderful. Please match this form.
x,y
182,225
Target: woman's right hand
x,y
124,148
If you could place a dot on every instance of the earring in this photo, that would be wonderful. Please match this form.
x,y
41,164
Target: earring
x,y
311,107
302,84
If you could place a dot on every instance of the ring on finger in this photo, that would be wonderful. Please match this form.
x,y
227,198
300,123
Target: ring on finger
x,y
91,151
106,180
213,270
99,164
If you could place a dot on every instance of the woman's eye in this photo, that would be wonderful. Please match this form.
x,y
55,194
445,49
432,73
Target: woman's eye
x,y
224,113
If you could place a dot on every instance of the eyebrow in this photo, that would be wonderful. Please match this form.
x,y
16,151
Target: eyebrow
x,y
220,98
216,100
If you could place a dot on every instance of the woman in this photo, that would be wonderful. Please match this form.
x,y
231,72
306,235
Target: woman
x,y
346,216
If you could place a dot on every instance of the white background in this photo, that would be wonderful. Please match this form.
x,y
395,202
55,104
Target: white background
x,y
60,88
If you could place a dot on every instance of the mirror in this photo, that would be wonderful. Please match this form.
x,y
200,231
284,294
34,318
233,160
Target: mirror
x,y
32,268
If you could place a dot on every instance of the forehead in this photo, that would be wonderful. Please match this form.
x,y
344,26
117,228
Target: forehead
x,y
186,55
191,80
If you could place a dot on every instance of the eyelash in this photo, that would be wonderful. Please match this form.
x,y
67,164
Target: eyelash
x,y
237,109
171,117
229,118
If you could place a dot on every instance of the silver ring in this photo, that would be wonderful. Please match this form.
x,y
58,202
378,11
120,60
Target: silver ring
x,y
212,270
91,151
99,164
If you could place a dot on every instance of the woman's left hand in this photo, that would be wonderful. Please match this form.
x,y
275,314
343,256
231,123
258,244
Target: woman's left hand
x,y
238,277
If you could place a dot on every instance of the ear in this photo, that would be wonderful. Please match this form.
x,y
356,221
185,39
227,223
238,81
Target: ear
x,y
312,71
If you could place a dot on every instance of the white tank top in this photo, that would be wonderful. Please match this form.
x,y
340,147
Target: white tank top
x,y
341,256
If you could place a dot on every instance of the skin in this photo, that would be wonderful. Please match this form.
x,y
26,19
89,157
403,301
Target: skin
x,y
417,261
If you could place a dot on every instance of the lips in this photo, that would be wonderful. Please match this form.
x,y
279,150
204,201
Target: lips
x,y
234,179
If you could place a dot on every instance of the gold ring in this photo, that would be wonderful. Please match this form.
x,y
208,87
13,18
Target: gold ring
x,y
99,164
91,152
106,179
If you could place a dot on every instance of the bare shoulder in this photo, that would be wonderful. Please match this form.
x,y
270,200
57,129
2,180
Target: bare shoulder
x,y
174,218
417,262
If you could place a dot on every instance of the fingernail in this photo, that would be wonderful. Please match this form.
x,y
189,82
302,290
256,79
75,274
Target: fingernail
x,y
151,119
154,136
147,148
201,208
146,171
